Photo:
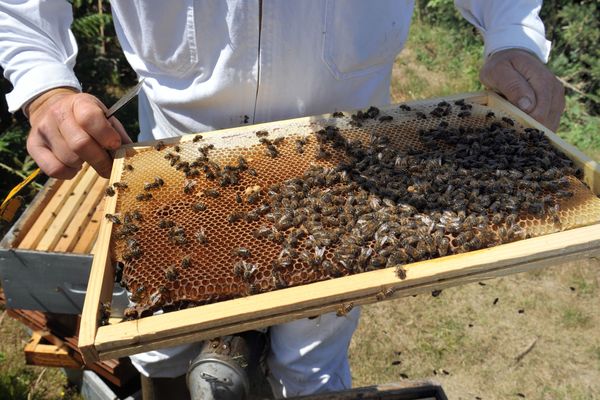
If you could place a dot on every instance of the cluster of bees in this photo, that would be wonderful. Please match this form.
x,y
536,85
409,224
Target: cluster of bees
x,y
464,189
384,205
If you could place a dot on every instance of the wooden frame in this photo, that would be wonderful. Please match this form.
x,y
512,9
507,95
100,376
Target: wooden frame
x,y
227,317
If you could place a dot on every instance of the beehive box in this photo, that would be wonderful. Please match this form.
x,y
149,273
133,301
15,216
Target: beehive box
x,y
203,238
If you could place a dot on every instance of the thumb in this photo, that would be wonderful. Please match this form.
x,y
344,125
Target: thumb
x,y
501,76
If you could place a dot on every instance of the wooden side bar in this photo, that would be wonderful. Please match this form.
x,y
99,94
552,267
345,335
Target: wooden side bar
x,y
49,213
81,220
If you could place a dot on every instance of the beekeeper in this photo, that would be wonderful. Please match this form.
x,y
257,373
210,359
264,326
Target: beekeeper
x,y
218,64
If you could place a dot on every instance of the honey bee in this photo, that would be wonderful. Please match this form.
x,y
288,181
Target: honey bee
x,y
322,154
177,148
337,114
249,271
164,223
113,218
344,309
239,268
420,115
159,145
235,217
171,273
278,281
278,141
192,173
201,236
144,197
128,167
253,197
262,232
109,191
199,207
490,114
404,107
508,121
120,185
400,271
261,133
241,252
186,262
252,172
463,114
189,186
253,289
271,151
214,193
197,138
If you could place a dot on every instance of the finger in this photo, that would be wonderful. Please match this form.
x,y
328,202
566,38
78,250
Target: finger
x,y
89,114
504,78
86,147
47,161
542,85
116,124
50,135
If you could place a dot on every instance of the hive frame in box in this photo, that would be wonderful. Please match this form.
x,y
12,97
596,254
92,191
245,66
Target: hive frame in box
x,y
261,310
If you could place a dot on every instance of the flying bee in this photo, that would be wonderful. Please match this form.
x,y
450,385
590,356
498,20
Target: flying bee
x,y
214,193
186,262
197,138
113,218
171,273
241,252
143,197
201,236
109,191
344,309
159,145
261,133
120,185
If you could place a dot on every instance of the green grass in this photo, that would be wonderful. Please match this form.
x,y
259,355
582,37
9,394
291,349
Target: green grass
x,y
574,318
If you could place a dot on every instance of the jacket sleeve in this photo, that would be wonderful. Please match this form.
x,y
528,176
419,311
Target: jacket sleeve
x,y
508,24
37,48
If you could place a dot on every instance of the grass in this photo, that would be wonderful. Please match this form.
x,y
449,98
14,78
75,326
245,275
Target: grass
x,y
460,338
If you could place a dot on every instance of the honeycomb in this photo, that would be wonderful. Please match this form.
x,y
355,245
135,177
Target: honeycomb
x,y
215,218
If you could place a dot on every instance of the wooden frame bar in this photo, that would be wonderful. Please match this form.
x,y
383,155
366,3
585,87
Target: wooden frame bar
x,y
227,317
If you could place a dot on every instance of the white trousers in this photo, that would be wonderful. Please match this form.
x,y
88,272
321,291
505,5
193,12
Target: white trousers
x,y
306,356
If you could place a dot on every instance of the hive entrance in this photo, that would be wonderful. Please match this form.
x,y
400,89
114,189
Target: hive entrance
x,y
211,219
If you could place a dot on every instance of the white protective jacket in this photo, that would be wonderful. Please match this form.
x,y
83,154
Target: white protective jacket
x,y
211,64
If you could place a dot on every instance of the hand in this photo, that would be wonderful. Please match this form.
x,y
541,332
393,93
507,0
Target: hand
x,y
527,83
68,128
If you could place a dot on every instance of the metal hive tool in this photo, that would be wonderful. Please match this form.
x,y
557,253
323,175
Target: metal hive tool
x,y
186,245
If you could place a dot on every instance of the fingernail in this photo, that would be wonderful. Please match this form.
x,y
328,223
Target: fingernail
x,y
524,103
